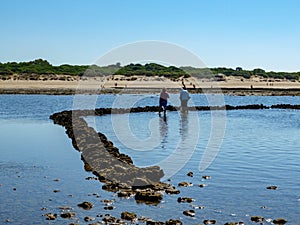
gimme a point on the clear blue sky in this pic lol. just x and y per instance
(247, 33)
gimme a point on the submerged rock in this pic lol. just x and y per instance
(65, 207)
(173, 222)
(91, 178)
(272, 187)
(50, 216)
(184, 184)
(190, 213)
(88, 219)
(160, 186)
(235, 223)
(68, 215)
(257, 219)
(125, 194)
(108, 201)
(86, 205)
(190, 174)
(140, 183)
(143, 219)
(206, 177)
(108, 207)
(108, 219)
(280, 221)
(152, 222)
(128, 216)
(209, 221)
(113, 187)
(185, 200)
(172, 191)
(148, 196)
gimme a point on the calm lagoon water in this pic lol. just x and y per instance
(259, 148)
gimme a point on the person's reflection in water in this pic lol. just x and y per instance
(183, 130)
(163, 125)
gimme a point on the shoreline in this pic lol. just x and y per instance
(225, 91)
(145, 85)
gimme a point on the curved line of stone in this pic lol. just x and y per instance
(102, 158)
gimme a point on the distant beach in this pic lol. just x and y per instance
(69, 85)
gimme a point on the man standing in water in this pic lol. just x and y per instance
(163, 100)
(184, 98)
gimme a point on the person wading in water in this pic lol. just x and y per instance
(184, 98)
(163, 101)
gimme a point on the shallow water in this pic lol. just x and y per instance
(260, 148)
(42, 106)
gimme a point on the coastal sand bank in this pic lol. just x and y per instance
(117, 84)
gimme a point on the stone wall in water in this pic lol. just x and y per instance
(116, 169)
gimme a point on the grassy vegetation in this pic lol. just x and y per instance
(209, 73)
(198, 72)
(43, 67)
(151, 69)
(39, 66)
(256, 72)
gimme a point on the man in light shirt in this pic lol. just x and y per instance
(184, 98)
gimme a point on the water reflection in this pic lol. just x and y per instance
(179, 136)
(183, 130)
(163, 128)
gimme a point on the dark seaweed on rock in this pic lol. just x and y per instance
(100, 155)
(285, 106)
(102, 158)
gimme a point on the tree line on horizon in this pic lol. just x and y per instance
(43, 67)
(152, 69)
